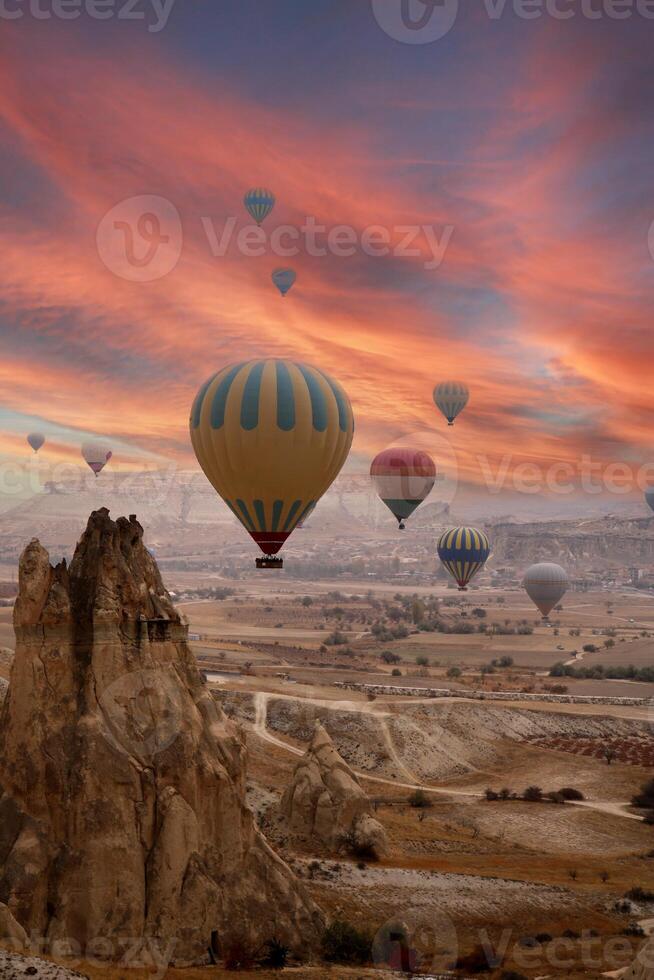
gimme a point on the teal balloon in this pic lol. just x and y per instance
(284, 279)
(259, 202)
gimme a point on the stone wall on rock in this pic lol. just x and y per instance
(123, 783)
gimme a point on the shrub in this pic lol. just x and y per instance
(422, 661)
(454, 672)
(570, 793)
(490, 794)
(342, 943)
(275, 955)
(390, 658)
(638, 894)
(646, 796)
(419, 799)
(396, 672)
(555, 797)
(533, 794)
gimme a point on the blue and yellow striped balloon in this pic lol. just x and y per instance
(259, 202)
(451, 397)
(463, 551)
(271, 436)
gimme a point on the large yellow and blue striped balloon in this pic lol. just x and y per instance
(271, 436)
(463, 551)
(259, 202)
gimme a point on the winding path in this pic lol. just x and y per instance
(260, 728)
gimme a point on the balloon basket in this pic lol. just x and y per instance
(463, 588)
(270, 562)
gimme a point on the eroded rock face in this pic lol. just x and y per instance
(123, 782)
(643, 966)
(325, 799)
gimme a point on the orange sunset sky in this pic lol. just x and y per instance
(530, 140)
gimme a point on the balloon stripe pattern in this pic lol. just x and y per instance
(259, 202)
(271, 436)
(403, 478)
(463, 551)
(451, 397)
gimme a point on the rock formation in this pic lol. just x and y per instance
(325, 800)
(643, 966)
(123, 783)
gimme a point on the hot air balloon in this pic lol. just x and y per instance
(403, 478)
(305, 517)
(451, 397)
(463, 551)
(96, 455)
(545, 584)
(36, 440)
(649, 497)
(284, 279)
(259, 202)
(271, 436)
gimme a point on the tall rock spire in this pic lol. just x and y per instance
(123, 783)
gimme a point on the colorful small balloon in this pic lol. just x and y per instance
(284, 279)
(545, 584)
(403, 478)
(451, 397)
(463, 551)
(96, 456)
(259, 202)
(36, 440)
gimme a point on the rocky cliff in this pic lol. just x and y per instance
(123, 810)
(325, 800)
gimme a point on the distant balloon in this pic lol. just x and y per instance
(36, 440)
(271, 436)
(649, 497)
(463, 551)
(451, 397)
(96, 456)
(284, 279)
(403, 478)
(259, 202)
(545, 584)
